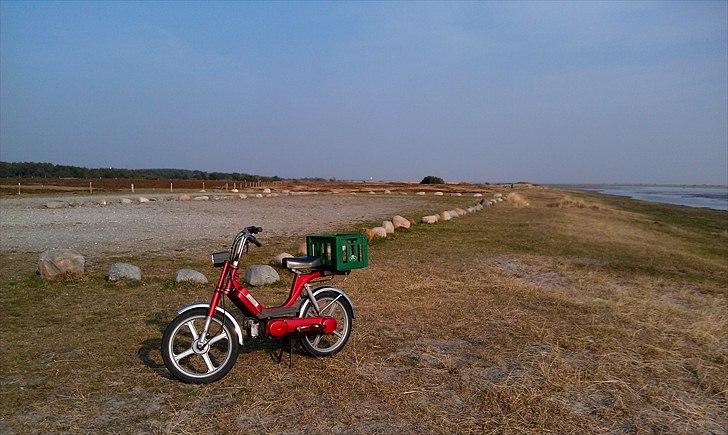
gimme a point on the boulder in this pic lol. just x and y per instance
(189, 275)
(266, 190)
(429, 219)
(478, 195)
(124, 271)
(278, 259)
(143, 199)
(438, 194)
(125, 201)
(302, 249)
(55, 262)
(498, 195)
(56, 204)
(379, 232)
(460, 212)
(470, 209)
(453, 213)
(389, 226)
(499, 199)
(420, 193)
(243, 196)
(201, 198)
(400, 222)
(445, 215)
(261, 274)
(184, 197)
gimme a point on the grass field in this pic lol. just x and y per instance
(607, 317)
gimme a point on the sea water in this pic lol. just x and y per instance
(715, 197)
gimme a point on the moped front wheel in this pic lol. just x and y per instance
(189, 360)
(331, 304)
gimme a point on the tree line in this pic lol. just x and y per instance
(49, 170)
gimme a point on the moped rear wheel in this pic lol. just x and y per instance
(191, 362)
(331, 304)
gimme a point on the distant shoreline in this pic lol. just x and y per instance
(700, 196)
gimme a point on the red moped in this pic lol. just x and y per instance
(202, 342)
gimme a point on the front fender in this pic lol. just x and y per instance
(229, 316)
(318, 290)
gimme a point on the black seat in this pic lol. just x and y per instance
(301, 262)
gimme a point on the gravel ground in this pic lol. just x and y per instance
(26, 226)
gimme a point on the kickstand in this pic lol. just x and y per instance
(279, 354)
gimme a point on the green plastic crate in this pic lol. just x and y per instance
(339, 252)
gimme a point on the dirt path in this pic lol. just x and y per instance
(25, 226)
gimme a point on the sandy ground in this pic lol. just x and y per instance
(26, 226)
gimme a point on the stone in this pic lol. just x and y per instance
(470, 209)
(500, 199)
(189, 275)
(273, 195)
(143, 199)
(125, 201)
(184, 197)
(498, 195)
(456, 194)
(460, 212)
(201, 198)
(243, 196)
(219, 198)
(56, 204)
(102, 202)
(278, 259)
(429, 219)
(235, 191)
(56, 262)
(302, 249)
(478, 195)
(266, 190)
(379, 232)
(389, 226)
(400, 222)
(420, 193)
(261, 274)
(258, 195)
(124, 271)
(453, 213)
(371, 192)
(445, 215)
(387, 192)
(438, 194)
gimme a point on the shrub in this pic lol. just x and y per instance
(431, 179)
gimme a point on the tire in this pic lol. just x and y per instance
(202, 366)
(341, 309)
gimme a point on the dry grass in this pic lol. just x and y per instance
(517, 199)
(509, 320)
(568, 201)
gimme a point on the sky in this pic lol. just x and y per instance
(571, 92)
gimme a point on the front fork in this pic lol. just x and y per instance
(213, 303)
(210, 313)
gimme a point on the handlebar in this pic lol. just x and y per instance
(254, 230)
(254, 241)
